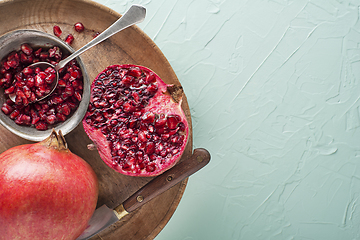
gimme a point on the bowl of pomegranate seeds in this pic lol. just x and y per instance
(63, 109)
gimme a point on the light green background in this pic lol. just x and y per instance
(273, 88)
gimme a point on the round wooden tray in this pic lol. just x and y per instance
(129, 46)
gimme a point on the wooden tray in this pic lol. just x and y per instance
(129, 46)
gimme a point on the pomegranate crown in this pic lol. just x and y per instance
(56, 141)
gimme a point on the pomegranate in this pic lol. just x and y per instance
(96, 34)
(69, 39)
(57, 31)
(46, 191)
(79, 27)
(135, 120)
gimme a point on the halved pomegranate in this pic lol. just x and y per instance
(136, 120)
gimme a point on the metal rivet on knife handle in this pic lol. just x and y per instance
(139, 198)
(169, 178)
(199, 159)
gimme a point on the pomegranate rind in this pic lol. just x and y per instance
(46, 192)
(161, 103)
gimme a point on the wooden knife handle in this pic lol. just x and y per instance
(168, 179)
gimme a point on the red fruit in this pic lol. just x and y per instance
(25, 48)
(69, 39)
(96, 34)
(79, 27)
(6, 108)
(46, 191)
(136, 121)
(57, 31)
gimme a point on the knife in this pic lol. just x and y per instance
(104, 216)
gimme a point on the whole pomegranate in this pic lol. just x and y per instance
(46, 191)
(136, 121)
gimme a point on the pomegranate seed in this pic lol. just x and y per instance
(72, 105)
(4, 82)
(142, 137)
(37, 70)
(69, 90)
(61, 117)
(172, 121)
(42, 115)
(79, 27)
(19, 77)
(27, 91)
(8, 76)
(28, 71)
(62, 83)
(165, 136)
(150, 148)
(96, 34)
(148, 117)
(127, 80)
(49, 79)
(152, 89)
(57, 31)
(78, 96)
(64, 109)
(32, 98)
(69, 39)
(34, 118)
(150, 78)
(160, 122)
(30, 82)
(14, 114)
(6, 66)
(26, 59)
(55, 52)
(128, 107)
(181, 127)
(44, 55)
(75, 74)
(41, 126)
(25, 48)
(150, 168)
(39, 80)
(51, 119)
(37, 52)
(56, 100)
(67, 76)
(77, 84)
(13, 63)
(20, 94)
(9, 102)
(9, 90)
(24, 119)
(50, 70)
(6, 108)
(135, 72)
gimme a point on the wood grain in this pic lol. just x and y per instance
(129, 46)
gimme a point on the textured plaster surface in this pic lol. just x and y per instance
(274, 93)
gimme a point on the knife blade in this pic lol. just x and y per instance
(104, 216)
